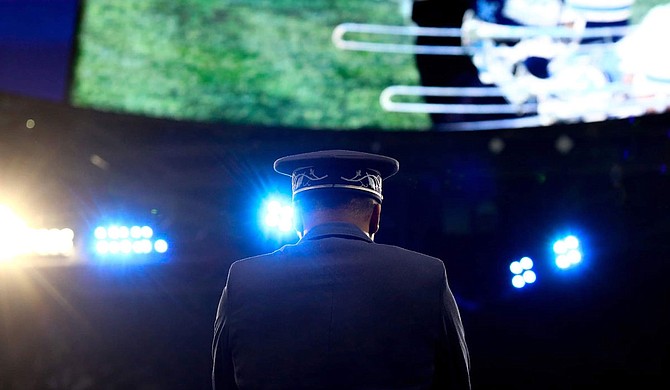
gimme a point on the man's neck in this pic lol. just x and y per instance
(319, 218)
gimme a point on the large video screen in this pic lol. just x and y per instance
(374, 64)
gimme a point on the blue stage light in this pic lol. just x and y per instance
(102, 247)
(277, 216)
(142, 246)
(160, 246)
(135, 232)
(146, 232)
(127, 241)
(100, 233)
(522, 271)
(568, 252)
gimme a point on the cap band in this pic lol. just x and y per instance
(311, 178)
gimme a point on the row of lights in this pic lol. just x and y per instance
(135, 239)
(568, 254)
(18, 240)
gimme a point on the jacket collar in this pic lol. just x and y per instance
(340, 229)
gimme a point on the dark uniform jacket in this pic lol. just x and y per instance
(338, 311)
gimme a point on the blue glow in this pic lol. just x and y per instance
(568, 252)
(523, 273)
(277, 216)
(127, 241)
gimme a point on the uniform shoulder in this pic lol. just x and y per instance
(414, 256)
(260, 260)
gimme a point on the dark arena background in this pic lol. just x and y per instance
(98, 131)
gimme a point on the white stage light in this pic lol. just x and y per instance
(529, 276)
(278, 217)
(135, 232)
(568, 252)
(161, 246)
(18, 239)
(523, 273)
(102, 247)
(100, 233)
(147, 232)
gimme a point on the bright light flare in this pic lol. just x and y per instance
(12, 234)
(18, 239)
(278, 216)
